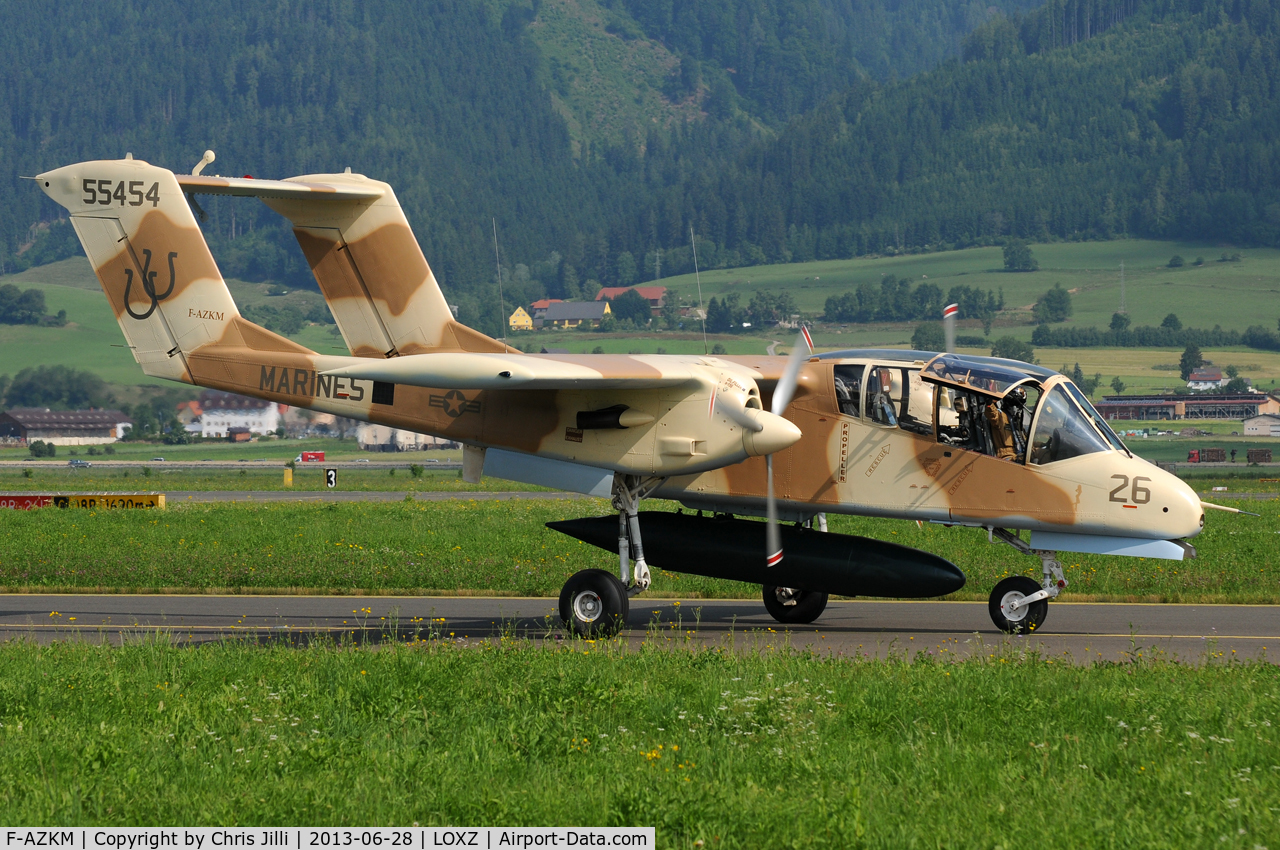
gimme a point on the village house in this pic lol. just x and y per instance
(520, 320)
(1207, 378)
(222, 412)
(652, 294)
(539, 308)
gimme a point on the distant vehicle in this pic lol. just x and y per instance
(76, 463)
(309, 457)
(432, 460)
(362, 460)
(157, 458)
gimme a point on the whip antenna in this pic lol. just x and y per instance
(502, 307)
(696, 276)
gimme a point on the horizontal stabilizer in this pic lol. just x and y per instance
(481, 371)
(248, 187)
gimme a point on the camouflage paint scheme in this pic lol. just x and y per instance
(700, 422)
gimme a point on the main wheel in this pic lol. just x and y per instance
(1023, 620)
(593, 603)
(788, 605)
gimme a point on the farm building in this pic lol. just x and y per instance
(571, 314)
(1215, 406)
(539, 308)
(1266, 425)
(63, 427)
(652, 294)
(222, 412)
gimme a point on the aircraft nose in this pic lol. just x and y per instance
(1181, 513)
(775, 434)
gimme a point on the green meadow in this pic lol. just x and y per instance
(1234, 295)
(471, 546)
(713, 748)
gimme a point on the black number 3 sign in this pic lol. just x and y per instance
(331, 478)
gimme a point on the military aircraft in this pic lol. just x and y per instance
(927, 436)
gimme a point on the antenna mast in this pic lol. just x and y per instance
(698, 277)
(502, 306)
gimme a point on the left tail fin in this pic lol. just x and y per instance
(152, 261)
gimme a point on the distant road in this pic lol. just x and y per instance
(1075, 632)
(174, 497)
(273, 463)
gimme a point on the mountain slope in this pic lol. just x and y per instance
(1162, 125)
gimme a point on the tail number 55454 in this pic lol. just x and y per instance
(107, 192)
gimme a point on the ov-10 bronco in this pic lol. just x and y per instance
(935, 437)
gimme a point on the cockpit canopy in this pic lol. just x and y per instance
(1016, 412)
(977, 374)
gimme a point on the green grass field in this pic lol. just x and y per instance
(264, 449)
(1234, 295)
(464, 547)
(718, 749)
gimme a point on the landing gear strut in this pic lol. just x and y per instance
(1017, 604)
(594, 603)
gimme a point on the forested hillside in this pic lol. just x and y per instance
(784, 130)
(1082, 120)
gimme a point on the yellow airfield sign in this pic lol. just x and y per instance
(93, 501)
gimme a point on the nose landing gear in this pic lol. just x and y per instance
(1017, 604)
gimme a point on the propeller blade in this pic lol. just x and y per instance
(949, 314)
(787, 383)
(773, 539)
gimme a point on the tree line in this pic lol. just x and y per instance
(1081, 119)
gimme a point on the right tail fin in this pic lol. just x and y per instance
(371, 270)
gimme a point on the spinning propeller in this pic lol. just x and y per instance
(781, 398)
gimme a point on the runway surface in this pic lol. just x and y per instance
(1080, 632)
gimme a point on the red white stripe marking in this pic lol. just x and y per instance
(808, 340)
(950, 310)
(774, 559)
(711, 408)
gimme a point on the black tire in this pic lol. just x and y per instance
(1032, 616)
(593, 603)
(806, 605)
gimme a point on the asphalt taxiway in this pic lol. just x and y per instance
(1078, 632)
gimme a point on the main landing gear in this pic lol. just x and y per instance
(789, 605)
(594, 603)
(1017, 604)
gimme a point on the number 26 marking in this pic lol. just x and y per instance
(1139, 495)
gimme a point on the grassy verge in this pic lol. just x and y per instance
(755, 749)
(307, 478)
(502, 547)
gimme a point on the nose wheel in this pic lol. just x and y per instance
(1010, 609)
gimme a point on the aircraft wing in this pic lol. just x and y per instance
(483, 371)
(295, 189)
